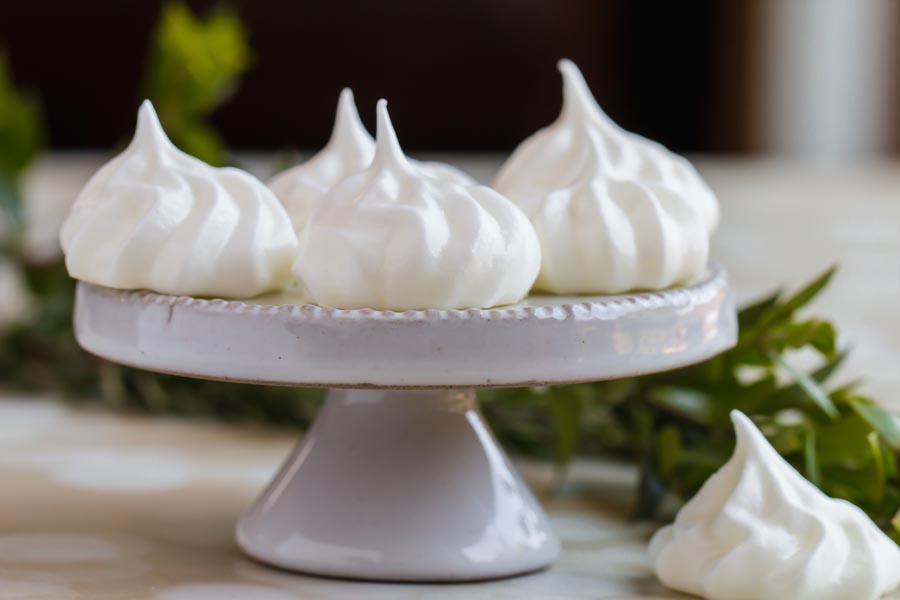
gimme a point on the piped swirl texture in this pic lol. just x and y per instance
(156, 218)
(757, 530)
(349, 150)
(614, 212)
(395, 237)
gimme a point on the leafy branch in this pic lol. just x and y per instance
(194, 66)
(21, 135)
(675, 425)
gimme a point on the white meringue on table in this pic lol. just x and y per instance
(757, 530)
(395, 237)
(156, 218)
(349, 151)
(605, 235)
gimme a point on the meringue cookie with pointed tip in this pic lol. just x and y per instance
(605, 235)
(156, 218)
(349, 151)
(553, 157)
(757, 530)
(394, 237)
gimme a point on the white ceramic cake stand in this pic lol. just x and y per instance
(399, 478)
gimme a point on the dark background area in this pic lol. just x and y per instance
(459, 75)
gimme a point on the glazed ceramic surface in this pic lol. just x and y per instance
(399, 485)
(405, 485)
(542, 340)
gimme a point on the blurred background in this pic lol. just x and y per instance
(807, 77)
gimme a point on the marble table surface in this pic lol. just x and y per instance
(106, 506)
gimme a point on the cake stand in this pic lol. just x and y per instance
(399, 478)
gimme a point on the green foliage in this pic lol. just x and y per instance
(676, 427)
(194, 66)
(21, 135)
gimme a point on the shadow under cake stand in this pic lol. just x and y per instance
(399, 478)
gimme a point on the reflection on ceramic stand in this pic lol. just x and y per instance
(403, 480)
(438, 501)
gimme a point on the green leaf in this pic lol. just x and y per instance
(565, 411)
(804, 296)
(787, 440)
(843, 441)
(21, 136)
(782, 311)
(194, 67)
(884, 422)
(10, 202)
(814, 332)
(668, 450)
(686, 402)
(795, 395)
(875, 445)
(810, 458)
(749, 315)
(21, 130)
(809, 385)
(203, 142)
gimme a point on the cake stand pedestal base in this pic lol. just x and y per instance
(399, 486)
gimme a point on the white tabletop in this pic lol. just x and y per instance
(98, 505)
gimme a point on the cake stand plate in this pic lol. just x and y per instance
(399, 478)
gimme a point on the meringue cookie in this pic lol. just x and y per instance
(156, 218)
(757, 530)
(603, 235)
(349, 151)
(552, 158)
(395, 237)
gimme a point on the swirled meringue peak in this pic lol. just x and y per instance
(604, 235)
(395, 237)
(156, 218)
(556, 159)
(757, 530)
(349, 151)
